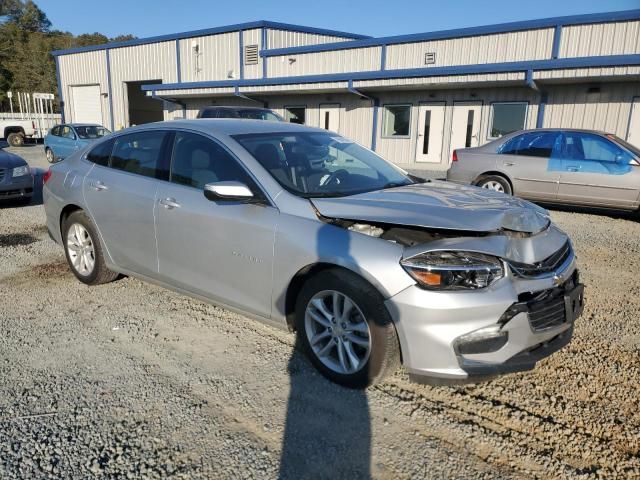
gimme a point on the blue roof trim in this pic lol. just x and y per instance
(525, 66)
(461, 32)
(211, 31)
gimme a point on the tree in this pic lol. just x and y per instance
(29, 17)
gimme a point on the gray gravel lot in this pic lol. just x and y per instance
(129, 380)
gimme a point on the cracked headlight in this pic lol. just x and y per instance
(449, 270)
(20, 171)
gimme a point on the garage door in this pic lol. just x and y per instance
(87, 107)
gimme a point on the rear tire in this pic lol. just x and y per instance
(353, 345)
(51, 158)
(83, 250)
(15, 139)
(496, 183)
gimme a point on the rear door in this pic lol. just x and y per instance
(527, 159)
(222, 249)
(121, 196)
(597, 172)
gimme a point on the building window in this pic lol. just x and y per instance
(507, 117)
(397, 119)
(295, 114)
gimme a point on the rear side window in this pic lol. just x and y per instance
(534, 144)
(198, 160)
(141, 153)
(101, 153)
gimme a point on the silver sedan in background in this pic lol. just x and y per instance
(309, 231)
(573, 167)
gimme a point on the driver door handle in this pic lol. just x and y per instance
(573, 169)
(169, 203)
(98, 186)
(509, 164)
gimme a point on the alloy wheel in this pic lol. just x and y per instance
(81, 249)
(493, 185)
(338, 332)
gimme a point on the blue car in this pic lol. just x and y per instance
(63, 140)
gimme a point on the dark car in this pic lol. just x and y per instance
(16, 179)
(253, 113)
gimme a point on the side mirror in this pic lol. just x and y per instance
(227, 191)
(4, 144)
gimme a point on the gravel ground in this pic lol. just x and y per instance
(129, 380)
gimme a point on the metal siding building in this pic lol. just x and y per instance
(413, 98)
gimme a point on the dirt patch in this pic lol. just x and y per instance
(17, 239)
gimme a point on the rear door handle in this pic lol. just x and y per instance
(169, 203)
(509, 164)
(573, 169)
(98, 186)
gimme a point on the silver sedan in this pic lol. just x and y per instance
(308, 231)
(573, 167)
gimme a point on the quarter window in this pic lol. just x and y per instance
(534, 144)
(198, 161)
(397, 119)
(101, 153)
(507, 117)
(295, 114)
(140, 153)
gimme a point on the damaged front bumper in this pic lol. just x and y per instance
(466, 336)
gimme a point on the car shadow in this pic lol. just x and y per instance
(36, 198)
(602, 212)
(327, 430)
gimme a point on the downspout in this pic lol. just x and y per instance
(376, 104)
(236, 93)
(530, 82)
(171, 100)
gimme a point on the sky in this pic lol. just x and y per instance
(144, 18)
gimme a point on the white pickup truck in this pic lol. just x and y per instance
(15, 131)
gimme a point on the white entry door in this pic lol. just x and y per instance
(86, 104)
(430, 132)
(330, 116)
(465, 125)
(633, 135)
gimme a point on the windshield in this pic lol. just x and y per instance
(311, 164)
(632, 148)
(91, 131)
(260, 115)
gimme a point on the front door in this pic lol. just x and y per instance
(430, 132)
(595, 171)
(465, 125)
(223, 249)
(330, 116)
(121, 198)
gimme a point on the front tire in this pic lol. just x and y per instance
(346, 330)
(496, 183)
(51, 158)
(83, 250)
(15, 139)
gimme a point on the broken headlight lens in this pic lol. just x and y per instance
(448, 270)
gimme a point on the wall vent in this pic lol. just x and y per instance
(429, 58)
(251, 55)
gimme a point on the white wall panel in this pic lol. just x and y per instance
(284, 39)
(338, 61)
(494, 48)
(615, 38)
(217, 55)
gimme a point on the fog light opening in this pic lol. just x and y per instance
(486, 340)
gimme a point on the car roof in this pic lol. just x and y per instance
(228, 126)
(577, 130)
(80, 125)
(224, 107)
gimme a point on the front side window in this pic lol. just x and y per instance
(587, 146)
(101, 153)
(397, 119)
(507, 117)
(197, 161)
(533, 144)
(295, 115)
(140, 153)
(56, 131)
(321, 164)
(91, 132)
(257, 114)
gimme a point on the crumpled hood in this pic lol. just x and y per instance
(9, 160)
(439, 205)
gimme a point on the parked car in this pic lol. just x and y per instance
(63, 140)
(253, 113)
(16, 178)
(575, 167)
(16, 131)
(372, 267)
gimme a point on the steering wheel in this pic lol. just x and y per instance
(335, 178)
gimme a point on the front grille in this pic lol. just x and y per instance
(544, 267)
(2, 173)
